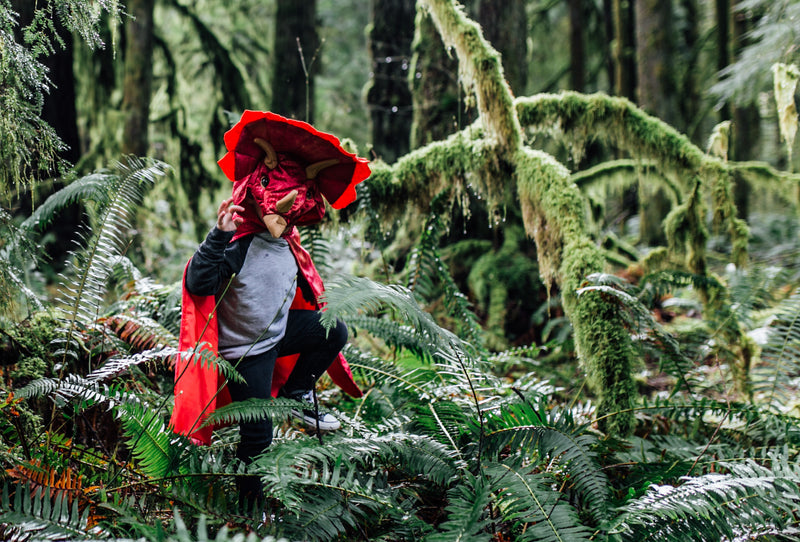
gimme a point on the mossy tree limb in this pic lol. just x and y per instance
(552, 207)
(619, 122)
(481, 71)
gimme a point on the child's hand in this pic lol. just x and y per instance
(225, 218)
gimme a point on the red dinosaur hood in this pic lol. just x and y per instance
(287, 167)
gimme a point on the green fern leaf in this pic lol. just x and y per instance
(554, 438)
(116, 198)
(40, 516)
(467, 517)
(529, 500)
(151, 442)
(353, 295)
(780, 355)
(747, 499)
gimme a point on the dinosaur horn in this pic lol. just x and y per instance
(284, 204)
(271, 158)
(313, 169)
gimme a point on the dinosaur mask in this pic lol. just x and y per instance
(283, 168)
(280, 196)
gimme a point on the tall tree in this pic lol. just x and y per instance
(436, 95)
(621, 15)
(505, 26)
(746, 131)
(577, 46)
(389, 94)
(138, 76)
(296, 46)
(656, 94)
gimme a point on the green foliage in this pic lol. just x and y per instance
(26, 514)
(445, 444)
(29, 147)
(770, 42)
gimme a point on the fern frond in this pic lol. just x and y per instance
(368, 366)
(250, 410)
(38, 516)
(207, 358)
(780, 355)
(540, 512)
(323, 495)
(140, 332)
(116, 198)
(84, 392)
(648, 332)
(426, 268)
(151, 442)
(51, 481)
(394, 335)
(119, 365)
(551, 437)
(318, 247)
(353, 295)
(751, 424)
(467, 516)
(747, 498)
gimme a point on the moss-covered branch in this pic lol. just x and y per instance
(446, 169)
(480, 69)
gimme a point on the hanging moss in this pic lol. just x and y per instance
(448, 169)
(481, 70)
(617, 120)
(553, 215)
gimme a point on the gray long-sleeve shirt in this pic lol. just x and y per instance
(254, 279)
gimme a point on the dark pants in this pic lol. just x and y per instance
(317, 348)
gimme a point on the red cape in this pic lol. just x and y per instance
(200, 389)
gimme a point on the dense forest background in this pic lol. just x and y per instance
(570, 282)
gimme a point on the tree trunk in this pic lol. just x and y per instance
(577, 48)
(724, 40)
(58, 108)
(389, 94)
(746, 123)
(657, 95)
(296, 53)
(624, 52)
(437, 96)
(505, 26)
(138, 76)
(59, 111)
(435, 93)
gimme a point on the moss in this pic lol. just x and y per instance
(553, 215)
(446, 169)
(480, 69)
(613, 119)
(28, 348)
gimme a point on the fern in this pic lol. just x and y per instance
(323, 495)
(780, 355)
(746, 499)
(250, 410)
(116, 198)
(352, 295)
(84, 392)
(151, 442)
(531, 501)
(394, 335)
(648, 332)
(27, 514)
(550, 438)
(467, 518)
(426, 268)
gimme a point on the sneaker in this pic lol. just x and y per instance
(311, 415)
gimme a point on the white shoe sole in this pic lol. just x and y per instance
(332, 425)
